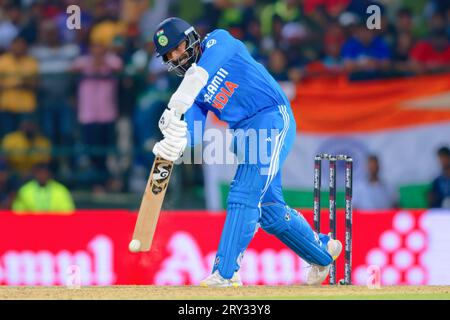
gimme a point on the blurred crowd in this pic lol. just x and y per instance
(372, 192)
(83, 104)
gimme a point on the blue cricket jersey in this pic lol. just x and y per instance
(238, 87)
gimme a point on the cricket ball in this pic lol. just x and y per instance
(134, 245)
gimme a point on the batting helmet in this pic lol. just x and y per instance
(169, 34)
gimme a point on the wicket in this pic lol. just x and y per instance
(332, 159)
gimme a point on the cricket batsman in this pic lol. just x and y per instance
(220, 76)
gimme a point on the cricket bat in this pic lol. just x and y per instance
(151, 204)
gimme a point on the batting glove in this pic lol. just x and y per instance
(170, 149)
(171, 126)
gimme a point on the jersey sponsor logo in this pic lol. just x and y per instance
(210, 43)
(219, 91)
(221, 99)
(216, 82)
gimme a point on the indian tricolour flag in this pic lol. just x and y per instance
(402, 121)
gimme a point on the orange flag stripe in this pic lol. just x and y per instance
(340, 107)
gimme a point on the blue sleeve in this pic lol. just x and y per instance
(219, 47)
(195, 118)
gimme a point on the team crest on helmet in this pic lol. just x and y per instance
(163, 41)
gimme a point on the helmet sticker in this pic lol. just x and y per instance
(162, 40)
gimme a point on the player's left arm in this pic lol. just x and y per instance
(220, 47)
(171, 124)
(194, 80)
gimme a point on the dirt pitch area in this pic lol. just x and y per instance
(251, 292)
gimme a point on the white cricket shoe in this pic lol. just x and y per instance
(317, 274)
(216, 280)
